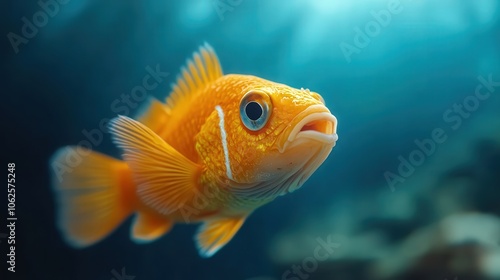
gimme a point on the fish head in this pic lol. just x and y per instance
(276, 136)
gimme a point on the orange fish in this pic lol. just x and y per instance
(219, 147)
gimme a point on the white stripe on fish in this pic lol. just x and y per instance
(223, 137)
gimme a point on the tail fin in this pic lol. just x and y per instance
(95, 194)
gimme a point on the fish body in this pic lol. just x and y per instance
(218, 148)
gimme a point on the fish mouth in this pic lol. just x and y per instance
(315, 123)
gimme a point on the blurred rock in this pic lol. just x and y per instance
(463, 244)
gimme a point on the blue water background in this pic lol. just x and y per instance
(385, 95)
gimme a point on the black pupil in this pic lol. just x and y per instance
(253, 110)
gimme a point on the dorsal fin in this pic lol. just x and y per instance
(202, 69)
(154, 114)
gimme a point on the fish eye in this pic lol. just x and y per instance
(255, 110)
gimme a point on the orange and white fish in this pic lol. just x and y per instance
(219, 147)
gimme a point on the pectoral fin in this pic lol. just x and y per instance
(166, 179)
(214, 234)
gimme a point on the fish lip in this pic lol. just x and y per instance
(314, 123)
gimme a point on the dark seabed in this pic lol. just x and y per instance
(411, 191)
